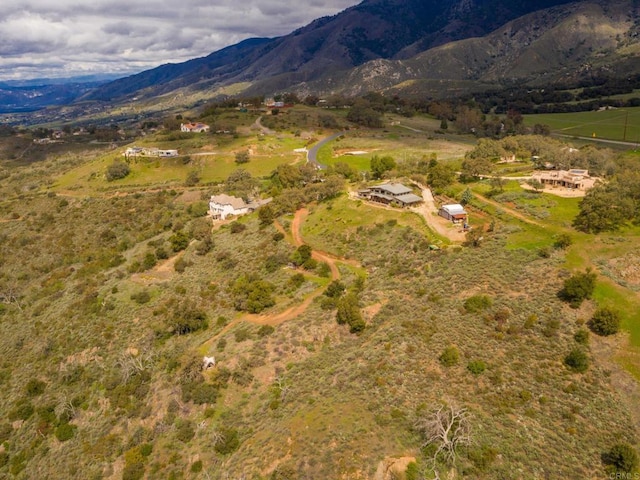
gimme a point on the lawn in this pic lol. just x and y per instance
(212, 162)
(616, 124)
(331, 225)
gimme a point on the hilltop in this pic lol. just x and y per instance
(339, 328)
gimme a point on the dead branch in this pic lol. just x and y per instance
(447, 428)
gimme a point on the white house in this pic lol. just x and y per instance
(167, 153)
(194, 127)
(221, 206)
(454, 212)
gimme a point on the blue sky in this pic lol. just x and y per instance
(61, 38)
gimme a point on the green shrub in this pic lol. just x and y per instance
(622, 458)
(476, 367)
(187, 318)
(196, 466)
(349, 313)
(185, 431)
(582, 336)
(229, 441)
(65, 431)
(133, 471)
(563, 240)
(265, 330)
(180, 265)
(577, 360)
(237, 227)
(477, 303)
(35, 387)
(242, 335)
(578, 288)
(449, 356)
(179, 241)
(21, 411)
(141, 297)
(149, 261)
(117, 170)
(335, 289)
(605, 321)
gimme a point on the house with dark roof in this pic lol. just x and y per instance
(391, 193)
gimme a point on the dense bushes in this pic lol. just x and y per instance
(117, 170)
(252, 294)
(577, 360)
(622, 458)
(449, 357)
(477, 303)
(578, 288)
(187, 318)
(605, 321)
(349, 313)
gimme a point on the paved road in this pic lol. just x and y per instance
(312, 154)
(599, 140)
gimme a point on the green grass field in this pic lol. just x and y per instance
(621, 124)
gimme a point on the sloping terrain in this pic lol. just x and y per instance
(561, 44)
(371, 30)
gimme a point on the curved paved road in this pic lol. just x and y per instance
(312, 154)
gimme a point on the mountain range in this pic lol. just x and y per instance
(410, 47)
(415, 46)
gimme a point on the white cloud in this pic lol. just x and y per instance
(44, 38)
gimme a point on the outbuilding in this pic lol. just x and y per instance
(454, 212)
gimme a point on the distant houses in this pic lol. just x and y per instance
(576, 179)
(221, 206)
(149, 152)
(391, 193)
(454, 212)
(194, 127)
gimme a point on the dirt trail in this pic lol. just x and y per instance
(296, 310)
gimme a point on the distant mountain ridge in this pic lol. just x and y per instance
(372, 30)
(563, 44)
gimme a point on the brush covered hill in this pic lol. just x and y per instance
(110, 303)
(374, 29)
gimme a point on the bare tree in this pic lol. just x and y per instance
(447, 428)
(134, 364)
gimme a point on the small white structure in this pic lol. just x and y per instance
(167, 153)
(194, 127)
(454, 212)
(221, 206)
(208, 362)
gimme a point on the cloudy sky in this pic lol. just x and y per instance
(61, 38)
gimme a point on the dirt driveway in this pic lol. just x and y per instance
(429, 211)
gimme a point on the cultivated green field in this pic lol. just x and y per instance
(621, 124)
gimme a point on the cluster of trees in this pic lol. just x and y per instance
(611, 205)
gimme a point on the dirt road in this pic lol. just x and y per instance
(429, 210)
(296, 310)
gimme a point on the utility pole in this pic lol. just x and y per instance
(626, 121)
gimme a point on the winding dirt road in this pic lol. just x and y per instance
(296, 310)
